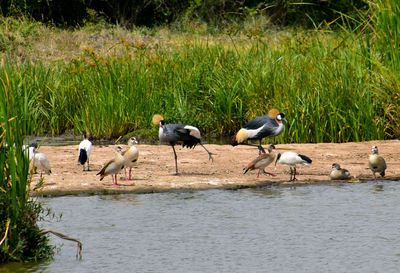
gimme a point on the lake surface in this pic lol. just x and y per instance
(313, 228)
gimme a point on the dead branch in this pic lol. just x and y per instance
(65, 237)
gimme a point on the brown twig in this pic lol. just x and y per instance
(65, 237)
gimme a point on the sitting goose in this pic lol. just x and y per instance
(338, 173)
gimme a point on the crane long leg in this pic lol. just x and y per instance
(294, 176)
(291, 173)
(209, 154)
(260, 148)
(176, 162)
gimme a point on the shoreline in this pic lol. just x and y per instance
(155, 168)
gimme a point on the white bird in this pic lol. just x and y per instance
(292, 159)
(85, 149)
(376, 163)
(131, 155)
(338, 173)
(259, 128)
(39, 160)
(113, 167)
(186, 135)
(262, 161)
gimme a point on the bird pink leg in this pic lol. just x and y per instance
(115, 182)
(125, 173)
(130, 170)
(258, 174)
(376, 181)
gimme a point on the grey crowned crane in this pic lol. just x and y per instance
(338, 173)
(262, 161)
(292, 159)
(264, 126)
(376, 163)
(131, 155)
(113, 167)
(172, 134)
(85, 149)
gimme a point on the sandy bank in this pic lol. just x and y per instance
(155, 168)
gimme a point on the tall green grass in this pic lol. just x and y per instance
(21, 239)
(323, 81)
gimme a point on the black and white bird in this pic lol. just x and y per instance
(338, 173)
(85, 149)
(292, 159)
(172, 134)
(264, 126)
(376, 163)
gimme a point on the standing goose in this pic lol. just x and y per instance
(338, 173)
(261, 127)
(113, 167)
(131, 155)
(376, 163)
(40, 160)
(186, 135)
(262, 161)
(292, 159)
(85, 149)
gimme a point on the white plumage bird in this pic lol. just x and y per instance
(39, 159)
(85, 149)
(172, 134)
(292, 159)
(131, 155)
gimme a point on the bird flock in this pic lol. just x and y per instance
(188, 136)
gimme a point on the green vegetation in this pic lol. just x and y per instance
(216, 66)
(333, 86)
(21, 238)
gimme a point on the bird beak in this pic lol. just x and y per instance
(284, 120)
(277, 158)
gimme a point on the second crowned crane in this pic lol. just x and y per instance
(172, 134)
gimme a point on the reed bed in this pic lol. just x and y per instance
(21, 238)
(328, 88)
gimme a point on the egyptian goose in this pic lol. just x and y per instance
(376, 163)
(113, 167)
(131, 155)
(338, 173)
(262, 161)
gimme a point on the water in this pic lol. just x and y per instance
(315, 228)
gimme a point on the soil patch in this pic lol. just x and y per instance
(155, 169)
